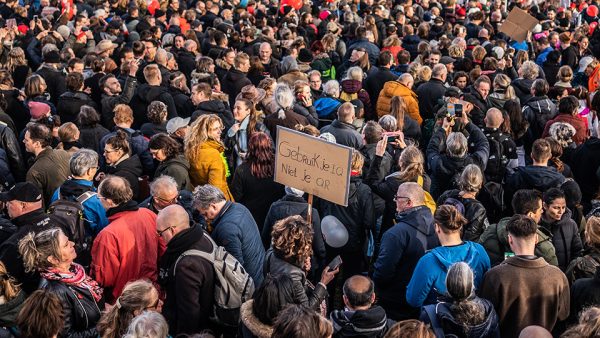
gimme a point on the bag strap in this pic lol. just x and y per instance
(193, 252)
(431, 311)
(85, 196)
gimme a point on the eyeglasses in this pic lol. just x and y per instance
(169, 201)
(396, 198)
(161, 232)
(155, 305)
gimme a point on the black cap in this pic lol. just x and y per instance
(305, 55)
(24, 192)
(453, 92)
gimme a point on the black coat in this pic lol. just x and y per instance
(186, 61)
(69, 104)
(538, 110)
(216, 107)
(55, 80)
(144, 95)
(310, 113)
(183, 103)
(584, 164)
(232, 84)
(371, 323)
(345, 134)
(82, 312)
(374, 83)
(130, 169)
(489, 328)
(110, 102)
(189, 287)
(10, 144)
(532, 177)
(569, 57)
(585, 292)
(523, 89)
(90, 137)
(257, 194)
(480, 107)
(177, 167)
(474, 212)
(429, 94)
(565, 237)
(16, 109)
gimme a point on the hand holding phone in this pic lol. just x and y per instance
(335, 263)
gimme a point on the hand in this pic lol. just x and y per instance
(328, 275)
(307, 101)
(509, 62)
(133, 67)
(381, 146)
(88, 90)
(100, 176)
(235, 127)
(502, 64)
(447, 124)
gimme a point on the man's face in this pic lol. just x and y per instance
(30, 145)
(403, 202)
(434, 59)
(196, 96)
(128, 57)
(175, 4)
(537, 214)
(113, 86)
(210, 213)
(164, 198)
(315, 82)
(14, 208)
(484, 89)
(265, 53)
(150, 50)
(229, 58)
(77, 68)
(244, 66)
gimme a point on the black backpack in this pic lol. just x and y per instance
(72, 214)
(491, 197)
(497, 161)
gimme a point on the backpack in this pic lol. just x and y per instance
(233, 284)
(491, 197)
(497, 161)
(72, 213)
(429, 202)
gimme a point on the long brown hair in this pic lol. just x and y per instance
(253, 115)
(398, 109)
(260, 155)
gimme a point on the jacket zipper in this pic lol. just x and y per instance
(82, 307)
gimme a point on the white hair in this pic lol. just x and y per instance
(284, 98)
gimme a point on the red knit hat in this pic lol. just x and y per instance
(461, 12)
(37, 110)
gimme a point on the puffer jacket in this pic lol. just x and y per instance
(474, 212)
(489, 328)
(146, 94)
(350, 88)
(495, 241)
(301, 286)
(345, 134)
(395, 88)
(538, 111)
(444, 168)
(523, 88)
(326, 107)
(177, 167)
(370, 323)
(81, 309)
(209, 167)
(565, 237)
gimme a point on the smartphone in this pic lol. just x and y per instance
(458, 109)
(35, 18)
(335, 263)
(300, 97)
(391, 136)
(451, 107)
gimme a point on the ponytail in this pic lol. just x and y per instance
(8, 286)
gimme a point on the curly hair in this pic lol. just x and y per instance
(169, 146)
(291, 239)
(199, 133)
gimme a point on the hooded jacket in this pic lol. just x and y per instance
(233, 82)
(564, 234)
(429, 278)
(109, 103)
(371, 323)
(401, 248)
(326, 107)
(538, 111)
(581, 129)
(495, 241)
(130, 169)
(345, 134)
(489, 328)
(144, 95)
(432, 90)
(522, 88)
(540, 178)
(216, 107)
(395, 88)
(49, 170)
(475, 213)
(177, 167)
(375, 82)
(252, 327)
(69, 104)
(139, 147)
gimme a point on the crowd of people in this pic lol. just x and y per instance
(137, 164)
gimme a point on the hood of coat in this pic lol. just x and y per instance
(369, 323)
(252, 323)
(523, 84)
(177, 160)
(483, 329)
(539, 176)
(540, 104)
(214, 106)
(148, 93)
(419, 218)
(351, 86)
(76, 96)
(132, 165)
(210, 144)
(448, 255)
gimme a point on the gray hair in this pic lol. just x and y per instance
(331, 88)
(205, 195)
(413, 191)
(284, 97)
(471, 179)
(162, 183)
(456, 144)
(288, 64)
(50, 47)
(459, 281)
(82, 160)
(439, 70)
(388, 122)
(149, 324)
(529, 70)
(355, 73)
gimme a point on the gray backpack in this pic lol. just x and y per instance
(233, 285)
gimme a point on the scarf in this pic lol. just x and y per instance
(76, 277)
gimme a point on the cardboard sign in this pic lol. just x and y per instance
(517, 24)
(313, 165)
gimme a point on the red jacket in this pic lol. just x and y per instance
(126, 250)
(581, 130)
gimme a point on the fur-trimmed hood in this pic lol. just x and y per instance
(255, 326)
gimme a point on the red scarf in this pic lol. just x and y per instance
(76, 277)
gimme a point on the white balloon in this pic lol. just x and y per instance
(334, 232)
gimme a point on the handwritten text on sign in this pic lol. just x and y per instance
(313, 165)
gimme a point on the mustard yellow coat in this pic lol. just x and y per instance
(209, 168)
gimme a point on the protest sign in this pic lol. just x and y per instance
(517, 24)
(313, 165)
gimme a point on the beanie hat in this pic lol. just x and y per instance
(37, 110)
(305, 56)
(52, 57)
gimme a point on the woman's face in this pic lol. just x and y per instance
(158, 154)
(584, 43)
(229, 58)
(556, 209)
(214, 130)
(240, 111)
(66, 250)
(111, 154)
(154, 303)
(461, 82)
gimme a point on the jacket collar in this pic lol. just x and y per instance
(116, 212)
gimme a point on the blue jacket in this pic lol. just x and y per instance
(235, 229)
(429, 278)
(93, 211)
(543, 56)
(401, 248)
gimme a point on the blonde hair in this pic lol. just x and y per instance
(36, 248)
(423, 74)
(199, 133)
(358, 160)
(391, 41)
(67, 132)
(592, 232)
(16, 57)
(411, 163)
(502, 82)
(355, 73)
(479, 53)
(455, 51)
(9, 288)
(565, 74)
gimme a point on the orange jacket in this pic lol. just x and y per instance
(594, 80)
(209, 167)
(395, 88)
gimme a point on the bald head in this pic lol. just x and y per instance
(358, 292)
(535, 331)
(493, 118)
(173, 216)
(407, 80)
(412, 191)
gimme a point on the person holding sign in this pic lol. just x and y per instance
(204, 150)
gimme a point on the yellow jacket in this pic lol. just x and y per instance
(209, 167)
(395, 88)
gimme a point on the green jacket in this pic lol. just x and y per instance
(495, 241)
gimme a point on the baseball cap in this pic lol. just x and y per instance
(176, 123)
(584, 63)
(447, 60)
(23, 191)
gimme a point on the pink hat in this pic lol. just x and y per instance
(37, 110)
(324, 15)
